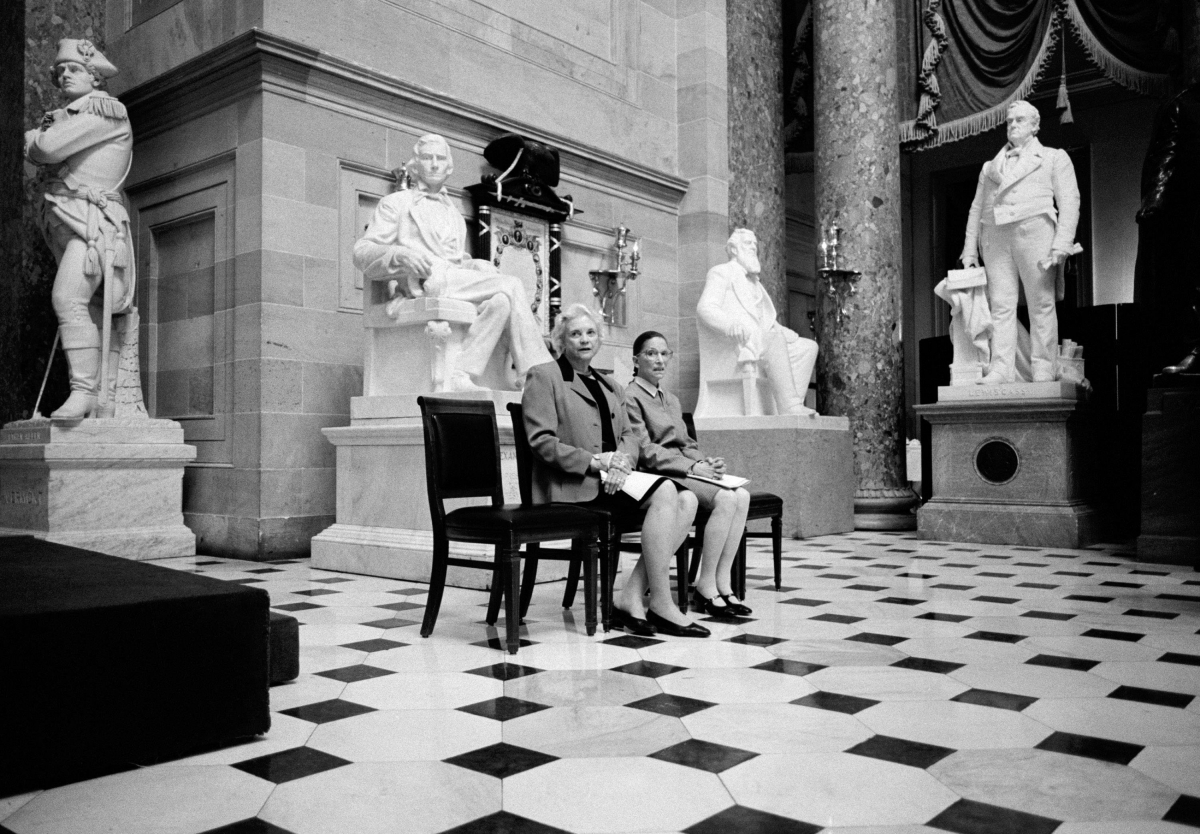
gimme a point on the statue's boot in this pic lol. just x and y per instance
(81, 344)
(1189, 364)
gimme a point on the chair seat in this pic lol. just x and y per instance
(482, 523)
(764, 504)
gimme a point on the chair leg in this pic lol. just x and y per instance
(739, 569)
(607, 572)
(590, 552)
(572, 584)
(777, 548)
(697, 549)
(437, 584)
(497, 595)
(511, 560)
(681, 576)
(529, 576)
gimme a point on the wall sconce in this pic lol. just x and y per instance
(608, 285)
(840, 282)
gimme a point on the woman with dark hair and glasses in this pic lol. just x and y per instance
(577, 425)
(668, 449)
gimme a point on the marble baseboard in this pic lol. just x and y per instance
(408, 555)
(1169, 550)
(807, 461)
(1033, 525)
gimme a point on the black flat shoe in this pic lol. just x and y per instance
(631, 624)
(708, 606)
(736, 608)
(669, 628)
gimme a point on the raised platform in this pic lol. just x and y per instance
(807, 461)
(383, 526)
(110, 663)
(111, 485)
(1011, 471)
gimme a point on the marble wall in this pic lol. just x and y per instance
(265, 132)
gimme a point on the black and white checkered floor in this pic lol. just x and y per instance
(893, 686)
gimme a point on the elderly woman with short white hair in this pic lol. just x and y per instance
(578, 428)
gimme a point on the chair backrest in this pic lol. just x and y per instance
(690, 422)
(462, 452)
(524, 452)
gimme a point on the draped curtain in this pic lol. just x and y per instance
(976, 57)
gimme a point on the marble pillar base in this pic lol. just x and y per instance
(807, 461)
(887, 508)
(1170, 530)
(383, 526)
(113, 485)
(1011, 471)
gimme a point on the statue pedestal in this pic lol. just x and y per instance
(1010, 466)
(806, 461)
(383, 526)
(1171, 476)
(113, 485)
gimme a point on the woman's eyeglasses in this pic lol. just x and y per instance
(655, 354)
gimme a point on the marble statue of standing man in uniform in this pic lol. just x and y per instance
(85, 149)
(1023, 218)
(417, 236)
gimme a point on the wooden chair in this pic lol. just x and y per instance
(617, 525)
(462, 460)
(762, 505)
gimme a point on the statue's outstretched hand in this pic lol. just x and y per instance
(970, 261)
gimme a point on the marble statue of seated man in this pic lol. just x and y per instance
(740, 336)
(417, 238)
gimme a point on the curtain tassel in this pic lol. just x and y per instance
(1064, 101)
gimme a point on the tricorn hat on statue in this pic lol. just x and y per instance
(84, 52)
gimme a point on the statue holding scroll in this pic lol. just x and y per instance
(1023, 220)
(416, 242)
(84, 151)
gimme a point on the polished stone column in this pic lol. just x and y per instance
(756, 159)
(860, 367)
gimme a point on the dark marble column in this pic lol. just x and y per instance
(860, 368)
(754, 33)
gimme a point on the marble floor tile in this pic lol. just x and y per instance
(405, 735)
(1176, 767)
(286, 733)
(695, 653)
(1054, 785)
(837, 652)
(336, 634)
(1173, 677)
(423, 656)
(314, 658)
(1092, 648)
(1034, 681)
(590, 687)
(740, 686)
(885, 683)
(1127, 721)
(582, 655)
(338, 616)
(611, 795)
(968, 651)
(837, 789)
(777, 728)
(956, 725)
(371, 797)
(438, 690)
(1124, 827)
(593, 732)
(10, 804)
(153, 800)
